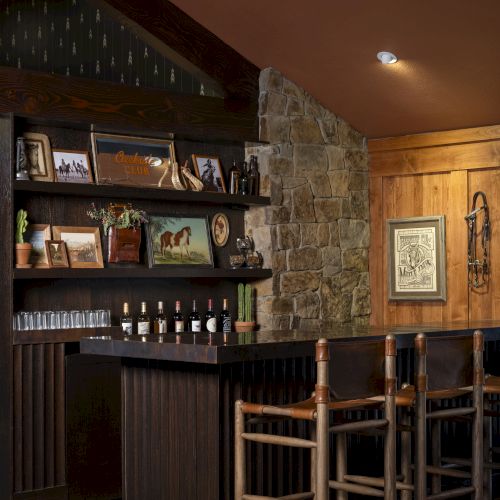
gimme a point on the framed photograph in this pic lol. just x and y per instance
(38, 157)
(209, 171)
(56, 253)
(83, 245)
(72, 166)
(417, 258)
(220, 229)
(132, 161)
(179, 241)
(37, 234)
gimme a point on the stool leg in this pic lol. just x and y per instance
(436, 454)
(421, 448)
(341, 452)
(406, 454)
(314, 455)
(487, 452)
(322, 443)
(477, 447)
(239, 456)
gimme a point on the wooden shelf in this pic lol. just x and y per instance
(112, 191)
(57, 336)
(141, 272)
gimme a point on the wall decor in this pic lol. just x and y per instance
(83, 245)
(38, 157)
(417, 258)
(220, 229)
(178, 240)
(56, 253)
(132, 161)
(37, 234)
(72, 166)
(209, 171)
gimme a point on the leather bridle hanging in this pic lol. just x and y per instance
(478, 271)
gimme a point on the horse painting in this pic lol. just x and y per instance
(169, 240)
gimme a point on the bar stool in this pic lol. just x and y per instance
(359, 370)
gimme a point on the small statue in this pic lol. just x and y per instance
(21, 163)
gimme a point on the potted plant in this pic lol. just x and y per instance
(122, 226)
(23, 250)
(245, 322)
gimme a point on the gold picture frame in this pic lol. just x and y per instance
(72, 166)
(37, 234)
(83, 245)
(38, 157)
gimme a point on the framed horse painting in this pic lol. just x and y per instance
(72, 166)
(176, 240)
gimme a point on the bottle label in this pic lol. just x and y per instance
(179, 326)
(196, 326)
(161, 325)
(226, 324)
(127, 328)
(143, 328)
(212, 325)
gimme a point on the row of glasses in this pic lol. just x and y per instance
(55, 320)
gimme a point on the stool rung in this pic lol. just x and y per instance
(356, 488)
(257, 497)
(376, 481)
(279, 440)
(444, 471)
(451, 412)
(457, 492)
(359, 426)
(468, 462)
(307, 495)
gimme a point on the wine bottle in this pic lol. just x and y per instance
(126, 320)
(243, 185)
(225, 317)
(160, 322)
(194, 320)
(178, 318)
(253, 177)
(143, 322)
(210, 319)
(234, 178)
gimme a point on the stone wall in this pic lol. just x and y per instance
(315, 235)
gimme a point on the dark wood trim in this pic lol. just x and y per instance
(56, 493)
(58, 336)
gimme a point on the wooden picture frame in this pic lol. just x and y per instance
(56, 253)
(178, 240)
(208, 169)
(38, 157)
(416, 258)
(37, 234)
(83, 245)
(220, 229)
(72, 166)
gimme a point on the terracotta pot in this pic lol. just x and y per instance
(123, 245)
(244, 326)
(23, 252)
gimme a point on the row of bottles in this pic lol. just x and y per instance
(193, 324)
(245, 180)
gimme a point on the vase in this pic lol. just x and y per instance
(23, 252)
(123, 245)
(244, 326)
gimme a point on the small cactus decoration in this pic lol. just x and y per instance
(248, 302)
(22, 224)
(241, 302)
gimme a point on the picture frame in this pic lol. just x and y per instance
(220, 229)
(132, 161)
(72, 166)
(83, 245)
(38, 157)
(37, 234)
(178, 240)
(208, 169)
(56, 253)
(416, 259)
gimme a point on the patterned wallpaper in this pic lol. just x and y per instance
(77, 38)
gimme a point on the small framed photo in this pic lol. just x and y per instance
(209, 171)
(37, 235)
(174, 240)
(416, 258)
(56, 253)
(38, 157)
(83, 245)
(72, 166)
(220, 229)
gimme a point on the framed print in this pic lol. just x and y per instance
(174, 240)
(56, 253)
(72, 166)
(220, 229)
(38, 157)
(37, 234)
(416, 258)
(209, 171)
(83, 245)
(132, 161)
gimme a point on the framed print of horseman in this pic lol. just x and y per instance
(176, 240)
(208, 169)
(72, 166)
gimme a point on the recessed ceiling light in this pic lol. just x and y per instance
(387, 57)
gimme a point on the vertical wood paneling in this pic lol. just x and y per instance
(49, 415)
(59, 415)
(18, 418)
(376, 248)
(27, 417)
(38, 417)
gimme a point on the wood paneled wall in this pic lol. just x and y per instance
(435, 174)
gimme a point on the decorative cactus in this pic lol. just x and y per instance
(248, 302)
(241, 302)
(22, 224)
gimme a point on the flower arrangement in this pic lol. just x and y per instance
(121, 217)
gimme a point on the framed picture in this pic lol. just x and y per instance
(220, 229)
(208, 169)
(178, 240)
(132, 161)
(56, 253)
(417, 258)
(83, 245)
(38, 157)
(37, 234)
(72, 166)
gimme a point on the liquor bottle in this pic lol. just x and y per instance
(178, 318)
(210, 319)
(234, 178)
(126, 320)
(143, 322)
(194, 320)
(243, 185)
(253, 177)
(160, 322)
(225, 317)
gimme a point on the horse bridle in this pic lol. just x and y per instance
(477, 270)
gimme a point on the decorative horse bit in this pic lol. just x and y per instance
(477, 270)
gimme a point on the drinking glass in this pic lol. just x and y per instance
(45, 319)
(65, 319)
(54, 320)
(103, 317)
(37, 320)
(90, 318)
(77, 319)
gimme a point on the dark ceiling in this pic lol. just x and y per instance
(447, 77)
